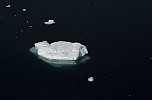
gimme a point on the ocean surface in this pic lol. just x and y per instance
(117, 34)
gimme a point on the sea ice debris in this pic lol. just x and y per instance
(90, 79)
(8, 6)
(49, 22)
(24, 9)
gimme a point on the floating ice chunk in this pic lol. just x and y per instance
(90, 79)
(24, 9)
(49, 22)
(61, 52)
(8, 6)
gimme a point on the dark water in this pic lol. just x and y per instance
(118, 36)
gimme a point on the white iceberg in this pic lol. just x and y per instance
(49, 22)
(61, 52)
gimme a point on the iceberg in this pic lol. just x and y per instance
(61, 52)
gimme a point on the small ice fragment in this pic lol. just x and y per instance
(90, 79)
(49, 22)
(24, 9)
(27, 21)
(8, 6)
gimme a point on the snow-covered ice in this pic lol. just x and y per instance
(49, 22)
(60, 52)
